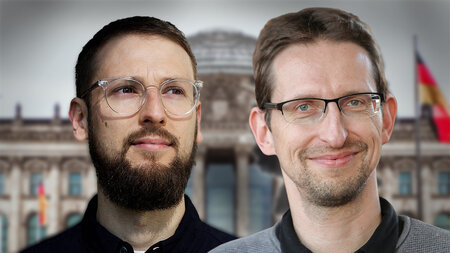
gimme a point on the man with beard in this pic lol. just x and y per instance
(138, 105)
(325, 110)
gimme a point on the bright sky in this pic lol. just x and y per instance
(40, 40)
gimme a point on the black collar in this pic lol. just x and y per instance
(383, 239)
(99, 239)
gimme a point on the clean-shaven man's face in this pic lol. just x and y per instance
(331, 160)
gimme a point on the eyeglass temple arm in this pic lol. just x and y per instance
(278, 106)
(93, 86)
(98, 83)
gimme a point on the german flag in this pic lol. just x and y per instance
(42, 205)
(431, 96)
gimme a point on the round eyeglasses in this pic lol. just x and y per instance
(126, 96)
(311, 110)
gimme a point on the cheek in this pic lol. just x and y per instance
(110, 134)
(288, 142)
(185, 133)
(371, 134)
(374, 129)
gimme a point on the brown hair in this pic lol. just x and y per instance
(308, 26)
(87, 63)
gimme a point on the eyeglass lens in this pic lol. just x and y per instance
(126, 96)
(305, 111)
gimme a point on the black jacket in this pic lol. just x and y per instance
(192, 235)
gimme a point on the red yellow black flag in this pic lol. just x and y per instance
(42, 205)
(431, 95)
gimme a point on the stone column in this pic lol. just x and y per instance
(388, 179)
(14, 223)
(427, 191)
(53, 190)
(242, 194)
(198, 182)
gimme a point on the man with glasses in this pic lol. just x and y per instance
(325, 110)
(138, 106)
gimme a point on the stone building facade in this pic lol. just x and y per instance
(397, 173)
(232, 185)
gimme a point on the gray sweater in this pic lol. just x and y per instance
(416, 237)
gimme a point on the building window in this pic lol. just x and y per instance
(75, 184)
(35, 231)
(4, 234)
(73, 219)
(444, 183)
(220, 196)
(404, 183)
(2, 184)
(260, 199)
(442, 221)
(36, 179)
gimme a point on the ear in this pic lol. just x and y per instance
(199, 117)
(78, 114)
(389, 114)
(261, 131)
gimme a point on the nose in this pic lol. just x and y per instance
(152, 111)
(332, 128)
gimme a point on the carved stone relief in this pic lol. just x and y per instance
(405, 164)
(226, 101)
(36, 165)
(442, 164)
(74, 164)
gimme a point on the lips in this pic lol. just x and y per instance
(334, 160)
(152, 143)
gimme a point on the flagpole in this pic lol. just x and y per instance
(1, 233)
(417, 135)
(38, 232)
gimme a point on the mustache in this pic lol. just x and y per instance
(150, 130)
(354, 145)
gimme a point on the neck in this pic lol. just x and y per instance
(335, 229)
(141, 229)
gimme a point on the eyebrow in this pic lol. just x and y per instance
(163, 79)
(309, 96)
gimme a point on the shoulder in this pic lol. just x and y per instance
(201, 234)
(213, 234)
(261, 242)
(418, 236)
(67, 241)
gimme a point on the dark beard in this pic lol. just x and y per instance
(141, 188)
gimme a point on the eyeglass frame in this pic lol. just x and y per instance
(103, 83)
(279, 106)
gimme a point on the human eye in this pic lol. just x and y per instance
(173, 90)
(304, 106)
(177, 89)
(355, 103)
(301, 108)
(124, 88)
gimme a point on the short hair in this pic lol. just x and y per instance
(305, 27)
(86, 66)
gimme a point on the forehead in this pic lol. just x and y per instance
(321, 69)
(143, 56)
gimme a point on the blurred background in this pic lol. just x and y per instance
(233, 185)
